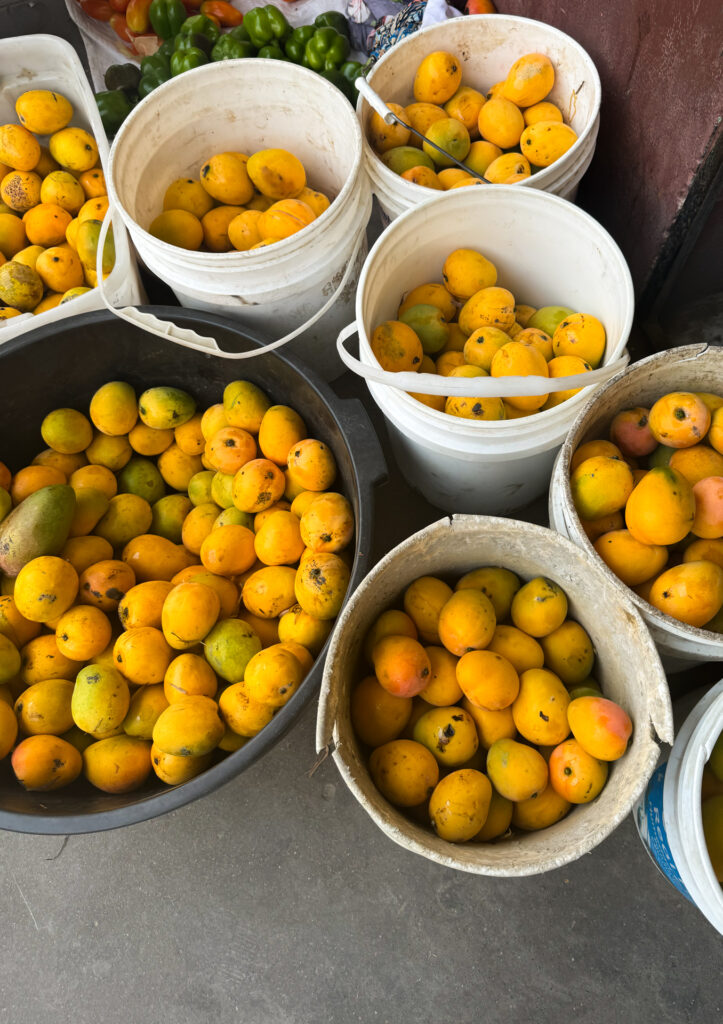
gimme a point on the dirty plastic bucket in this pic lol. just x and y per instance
(690, 368)
(47, 62)
(547, 251)
(628, 669)
(76, 357)
(668, 814)
(247, 105)
(487, 45)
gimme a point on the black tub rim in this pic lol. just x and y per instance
(369, 468)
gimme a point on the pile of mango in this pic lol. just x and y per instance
(481, 713)
(168, 579)
(239, 202)
(650, 500)
(505, 136)
(52, 203)
(712, 807)
(468, 326)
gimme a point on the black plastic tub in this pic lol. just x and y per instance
(62, 365)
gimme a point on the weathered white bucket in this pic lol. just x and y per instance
(692, 368)
(668, 814)
(47, 62)
(628, 669)
(567, 258)
(487, 45)
(304, 285)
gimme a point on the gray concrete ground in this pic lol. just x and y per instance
(277, 901)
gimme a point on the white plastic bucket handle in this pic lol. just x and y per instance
(200, 342)
(472, 387)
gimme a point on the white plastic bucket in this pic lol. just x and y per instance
(248, 105)
(668, 814)
(487, 45)
(47, 62)
(691, 368)
(547, 252)
(628, 669)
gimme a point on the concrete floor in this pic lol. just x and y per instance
(277, 901)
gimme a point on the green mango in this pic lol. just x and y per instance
(403, 158)
(6, 503)
(165, 408)
(168, 516)
(140, 476)
(222, 490)
(100, 701)
(86, 242)
(548, 317)
(199, 487)
(38, 526)
(234, 517)
(660, 457)
(229, 647)
(429, 325)
(584, 691)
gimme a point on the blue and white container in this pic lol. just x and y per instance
(668, 814)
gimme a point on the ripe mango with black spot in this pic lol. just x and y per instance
(20, 286)
(100, 701)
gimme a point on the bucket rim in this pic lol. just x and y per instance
(386, 176)
(712, 642)
(593, 231)
(684, 775)
(286, 246)
(658, 728)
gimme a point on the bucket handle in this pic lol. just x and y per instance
(471, 387)
(200, 342)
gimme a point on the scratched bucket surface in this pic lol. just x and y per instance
(547, 252)
(246, 106)
(487, 45)
(627, 666)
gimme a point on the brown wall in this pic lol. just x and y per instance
(662, 101)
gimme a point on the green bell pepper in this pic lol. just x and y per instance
(344, 77)
(122, 76)
(187, 60)
(228, 48)
(156, 62)
(241, 33)
(351, 70)
(152, 79)
(326, 50)
(166, 17)
(272, 52)
(187, 41)
(199, 24)
(266, 25)
(166, 49)
(332, 19)
(113, 107)
(296, 43)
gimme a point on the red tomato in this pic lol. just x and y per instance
(101, 10)
(120, 26)
(137, 16)
(119, 5)
(223, 12)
